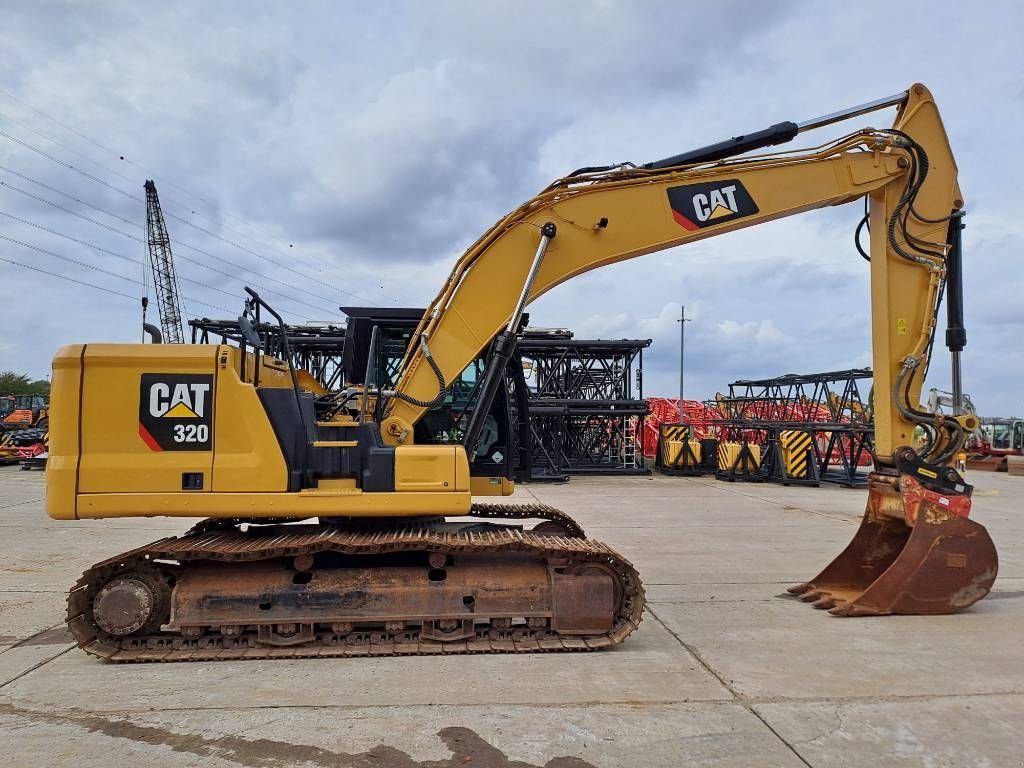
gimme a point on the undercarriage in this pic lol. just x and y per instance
(229, 589)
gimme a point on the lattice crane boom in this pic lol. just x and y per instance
(165, 279)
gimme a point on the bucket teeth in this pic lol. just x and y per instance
(826, 602)
(798, 589)
(812, 595)
(841, 608)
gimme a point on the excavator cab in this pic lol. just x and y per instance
(503, 455)
(1008, 435)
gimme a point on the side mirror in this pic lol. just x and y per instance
(249, 332)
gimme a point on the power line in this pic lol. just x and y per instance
(137, 199)
(70, 196)
(85, 264)
(97, 144)
(72, 279)
(81, 216)
(66, 148)
(69, 279)
(136, 262)
(117, 231)
(12, 97)
(98, 180)
(93, 267)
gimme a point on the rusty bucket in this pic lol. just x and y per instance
(916, 552)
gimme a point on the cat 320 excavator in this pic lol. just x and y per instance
(343, 524)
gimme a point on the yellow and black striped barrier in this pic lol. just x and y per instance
(7, 448)
(739, 461)
(796, 452)
(678, 453)
(791, 458)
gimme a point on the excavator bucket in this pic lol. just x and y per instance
(915, 552)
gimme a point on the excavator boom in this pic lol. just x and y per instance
(611, 215)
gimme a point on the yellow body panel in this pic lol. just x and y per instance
(102, 466)
(62, 463)
(340, 502)
(491, 486)
(308, 383)
(432, 468)
(273, 372)
(246, 456)
(115, 459)
(903, 293)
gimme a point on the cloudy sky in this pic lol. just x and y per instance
(335, 153)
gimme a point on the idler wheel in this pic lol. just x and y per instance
(129, 603)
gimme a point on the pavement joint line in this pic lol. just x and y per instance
(752, 524)
(683, 601)
(33, 635)
(34, 667)
(21, 503)
(529, 490)
(737, 696)
(995, 594)
(785, 507)
(632, 703)
(887, 699)
(628, 703)
(708, 583)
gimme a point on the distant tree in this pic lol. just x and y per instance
(12, 383)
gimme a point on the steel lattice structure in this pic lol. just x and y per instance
(317, 349)
(585, 412)
(833, 406)
(165, 279)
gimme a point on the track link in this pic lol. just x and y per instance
(219, 543)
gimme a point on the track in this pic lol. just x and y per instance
(161, 565)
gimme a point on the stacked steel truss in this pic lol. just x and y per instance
(586, 404)
(316, 348)
(834, 407)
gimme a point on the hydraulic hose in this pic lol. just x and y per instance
(856, 234)
(442, 388)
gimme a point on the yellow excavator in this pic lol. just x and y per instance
(344, 524)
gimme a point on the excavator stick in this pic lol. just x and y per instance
(915, 552)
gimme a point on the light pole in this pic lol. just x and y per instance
(683, 320)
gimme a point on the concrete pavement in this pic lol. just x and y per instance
(722, 672)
